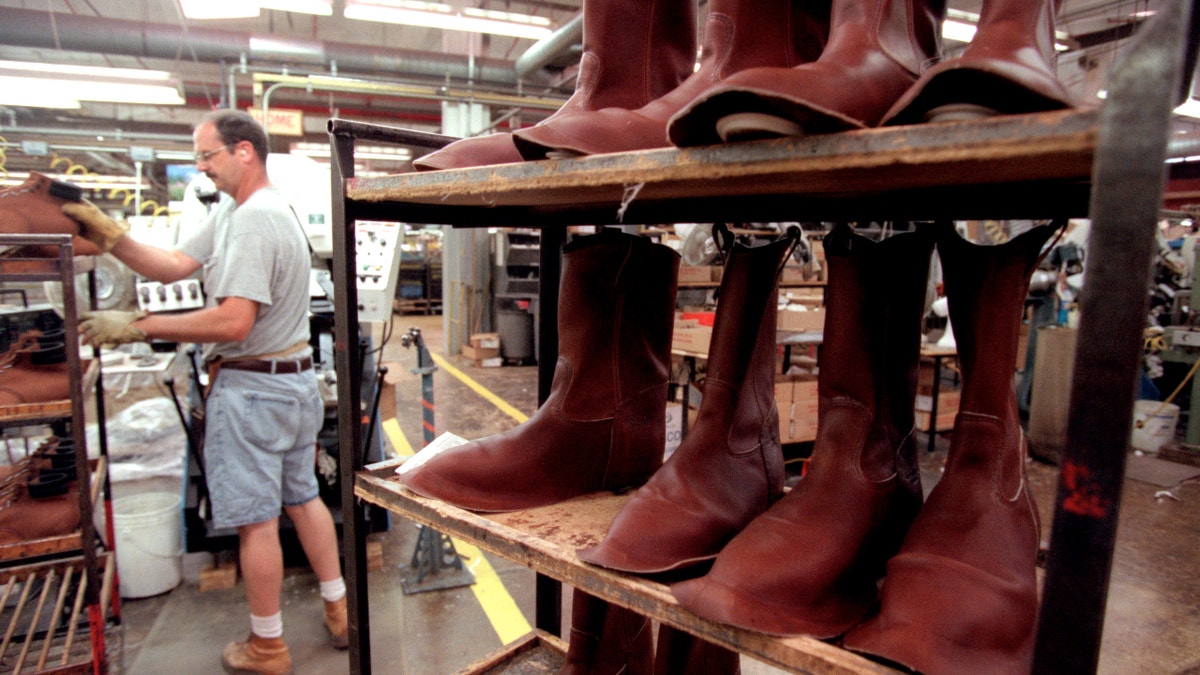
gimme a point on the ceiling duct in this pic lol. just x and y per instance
(563, 41)
(43, 30)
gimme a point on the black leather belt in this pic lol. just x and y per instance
(271, 367)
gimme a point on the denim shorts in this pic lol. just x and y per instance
(260, 444)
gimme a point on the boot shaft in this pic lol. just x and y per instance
(615, 316)
(633, 52)
(606, 639)
(907, 31)
(869, 360)
(741, 34)
(1007, 26)
(986, 288)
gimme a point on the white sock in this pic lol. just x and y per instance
(332, 591)
(267, 626)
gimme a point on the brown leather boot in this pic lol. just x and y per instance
(810, 564)
(35, 207)
(738, 34)
(24, 517)
(603, 425)
(729, 468)
(336, 623)
(32, 372)
(961, 595)
(1008, 68)
(875, 51)
(606, 639)
(257, 656)
(633, 52)
(677, 652)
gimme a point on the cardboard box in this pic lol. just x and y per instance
(947, 401)
(945, 421)
(794, 318)
(792, 274)
(485, 340)
(480, 353)
(691, 274)
(690, 336)
(797, 417)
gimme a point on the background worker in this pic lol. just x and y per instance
(263, 410)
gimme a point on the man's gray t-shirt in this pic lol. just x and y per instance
(256, 251)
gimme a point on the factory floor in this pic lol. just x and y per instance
(1152, 624)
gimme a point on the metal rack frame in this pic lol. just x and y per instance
(1106, 164)
(97, 574)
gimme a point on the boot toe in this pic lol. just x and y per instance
(470, 152)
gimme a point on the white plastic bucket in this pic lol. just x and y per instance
(149, 534)
(1151, 433)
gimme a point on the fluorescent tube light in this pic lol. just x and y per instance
(58, 85)
(219, 9)
(381, 152)
(318, 7)
(92, 182)
(1189, 108)
(438, 15)
(957, 31)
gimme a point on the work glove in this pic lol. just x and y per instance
(110, 328)
(94, 225)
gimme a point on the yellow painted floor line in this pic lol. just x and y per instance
(499, 607)
(396, 436)
(479, 389)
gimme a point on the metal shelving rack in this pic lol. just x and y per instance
(1106, 164)
(71, 567)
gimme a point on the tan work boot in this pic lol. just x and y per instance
(335, 623)
(257, 656)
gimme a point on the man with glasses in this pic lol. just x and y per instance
(263, 409)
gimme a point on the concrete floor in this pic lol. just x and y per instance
(1152, 622)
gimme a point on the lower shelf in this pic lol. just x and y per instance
(71, 541)
(47, 627)
(545, 540)
(534, 653)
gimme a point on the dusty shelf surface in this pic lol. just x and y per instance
(545, 540)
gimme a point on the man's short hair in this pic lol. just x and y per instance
(235, 126)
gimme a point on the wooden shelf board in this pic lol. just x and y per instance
(71, 541)
(919, 166)
(545, 539)
(535, 652)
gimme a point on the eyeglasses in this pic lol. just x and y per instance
(205, 156)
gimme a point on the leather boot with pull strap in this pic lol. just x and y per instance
(603, 426)
(810, 564)
(729, 468)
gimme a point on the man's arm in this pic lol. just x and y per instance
(152, 262)
(229, 321)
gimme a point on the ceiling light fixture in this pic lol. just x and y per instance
(1189, 108)
(249, 9)
(65, 86)
(317, 7)
(381, 152)
(959, 26)
(438, 15)
(90, 182)
(219, 9)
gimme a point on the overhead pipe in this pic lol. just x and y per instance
(56, 30)
(547, 50)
